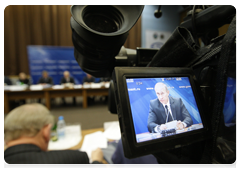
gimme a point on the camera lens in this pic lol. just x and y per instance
(99, 32)
(101, 23)
(105, 19)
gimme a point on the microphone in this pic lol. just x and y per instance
(158, 13)
(167, 113)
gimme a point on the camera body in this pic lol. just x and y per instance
(99, 33)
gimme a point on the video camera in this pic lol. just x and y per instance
(98, 35)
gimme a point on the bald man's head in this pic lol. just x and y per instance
(22, 76)
(26, 120)
(66, 74)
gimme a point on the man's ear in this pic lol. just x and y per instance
(168, 92)
(47, 132)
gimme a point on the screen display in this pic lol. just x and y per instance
(162, 107)
(229, 110)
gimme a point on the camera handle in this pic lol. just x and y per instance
(207, 21)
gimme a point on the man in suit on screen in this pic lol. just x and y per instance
(27, 131)
(165, 109)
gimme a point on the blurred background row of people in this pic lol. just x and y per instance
(66, 80)
(46, 79)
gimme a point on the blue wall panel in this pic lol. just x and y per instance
(55, 60)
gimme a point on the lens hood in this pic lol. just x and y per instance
(99, 32)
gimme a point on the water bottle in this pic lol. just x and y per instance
(61, 127)
(54, 136)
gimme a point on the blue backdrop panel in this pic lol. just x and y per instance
(55, 60)
(141, 91)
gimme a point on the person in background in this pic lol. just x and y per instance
(45, 79)
(88, 79)
(27, 130)
(120, 161)
(7, 81)
(23, 79)
(104, 80)
(65, 80)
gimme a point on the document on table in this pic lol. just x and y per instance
(36, 87)
(77, 86)
(112, 130)
(86, 86)
(96, 85)
(93, 141)
(17, 87)
(58, 87)
(107, 84)
(7, 87)
(171, 125)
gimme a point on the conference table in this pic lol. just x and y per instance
(49, 93)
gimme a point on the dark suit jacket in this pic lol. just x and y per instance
(157, 115)
(32, 154)
(7, 80)
(104, 79)
(25, 81)
(48, 80)
(119, 158)
(87, 80)
(71, 80)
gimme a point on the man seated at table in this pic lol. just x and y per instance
(27, 131)
(89, 79)
(23, 79)
(165, 109)
(104, 80)
(45, 79)
(67, 81)
(7, 81)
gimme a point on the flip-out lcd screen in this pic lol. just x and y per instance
(162, 107)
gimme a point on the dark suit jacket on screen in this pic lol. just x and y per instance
(32, 154)
(71, 80)
(157, 115)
